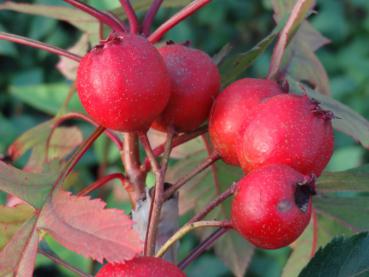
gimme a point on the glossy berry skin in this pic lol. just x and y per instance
(123, 83)
(141, 267)
(288, 129)
(272, 206)
(195, 84)
(233, 108)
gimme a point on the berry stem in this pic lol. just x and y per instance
(214, 171)
(63, 263)
(59, 120)
(205, 164)
(214, 203)
(315, 233)
(149, 17)
(178, 140)
(157, 199)
(103, 17)
(131, 160)
(104, 180)
(177, 18)
(188, 228)
(202, 247)
(39, 45)
(131, 14)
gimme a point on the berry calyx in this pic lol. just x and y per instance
(272, 205)
(195, 84)
(123, 83)
(291, 130)
(141, 267)
(233, 109)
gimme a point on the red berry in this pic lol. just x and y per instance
(235, 107)
(195, 83)
(123, 83)
(288, 129)
(272, 206)
(141, 267)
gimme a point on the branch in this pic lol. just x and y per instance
(206, 210)
(177, 18)
(315, 233)
(39, 45)
(59, 120)
(149, 17)
(202, 247)
(59, 261)
(205, 164)
(103, 181)
(103, 17)
(188, 228)
(181, 139)
(157, 200)
(131, 160)
(131, 14)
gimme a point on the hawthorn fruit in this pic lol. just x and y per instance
(288, 129)
(233, 109)
(272, 205)
(123, 83)
(141, 267)
(195, 84)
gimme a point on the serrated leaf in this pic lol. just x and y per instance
(351, 212)
(18, 257)
(356, 179)
(85, 227)
(11, 218)
(47, 98)
(232, 249)
(341, 258)
(347, 120)
(31, 187)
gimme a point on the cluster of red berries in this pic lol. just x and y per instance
(282, 142)
(126, 84)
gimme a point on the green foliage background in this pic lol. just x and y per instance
(242, 23)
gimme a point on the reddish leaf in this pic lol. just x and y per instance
(19, 255)
(30, 187)
(11, 219)
(68, 67)
(85, 227)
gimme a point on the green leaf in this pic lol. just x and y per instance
(47, 98)
(341, 258)
(30, 187)
(356, 179)
(233, 66)
(11, 219)
(351, 212)
(77, 18)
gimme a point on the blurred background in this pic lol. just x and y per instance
(32, 89)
